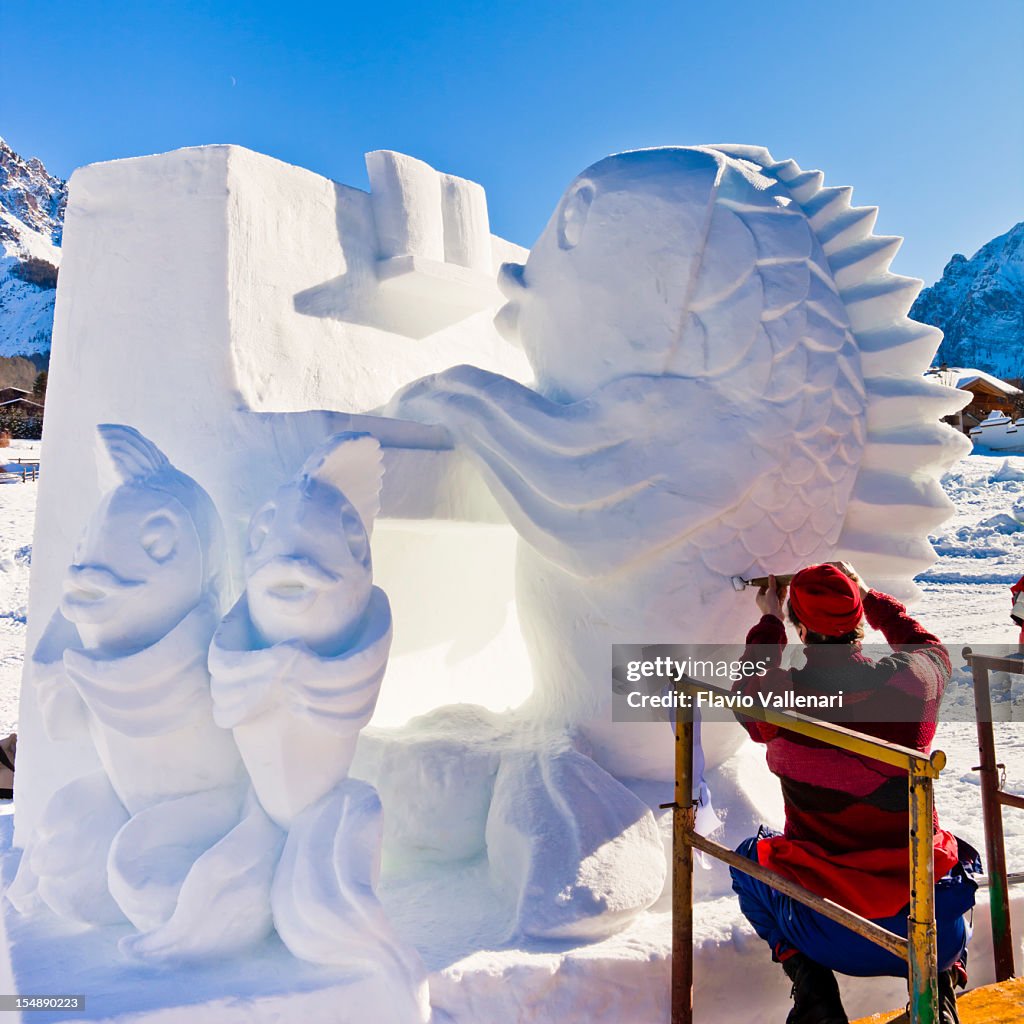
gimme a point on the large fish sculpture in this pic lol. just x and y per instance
(726, 384)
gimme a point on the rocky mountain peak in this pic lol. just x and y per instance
(31, 194)
(32, 203)
(979, 305)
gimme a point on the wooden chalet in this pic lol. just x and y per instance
(22, 405)
(988, 394)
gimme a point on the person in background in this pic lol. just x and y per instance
(1017, 611)
(8, 752)
(847, 828)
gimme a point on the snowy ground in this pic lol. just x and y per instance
(966, 601)
(17, 517)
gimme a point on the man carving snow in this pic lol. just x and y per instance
(846, 833)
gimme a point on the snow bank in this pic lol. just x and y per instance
(17, 516)
(1007, 472)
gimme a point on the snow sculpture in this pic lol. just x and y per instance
(726, 384)
(580, 853)
(433, 237)
(342, 328)
(125, 659)
(64, 867)
(297, 666)
(297, 663)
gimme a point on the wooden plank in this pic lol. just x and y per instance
(683, 821)
(994, 663)
(1016, 878)
(1010, 800)
(992, 813)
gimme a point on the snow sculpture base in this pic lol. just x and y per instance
(41, 954)
(473, 977)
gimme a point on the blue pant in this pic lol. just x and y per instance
(786, 925)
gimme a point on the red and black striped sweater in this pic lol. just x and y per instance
(847, 821)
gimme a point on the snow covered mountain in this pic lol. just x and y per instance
(979, 304)
(32, 203)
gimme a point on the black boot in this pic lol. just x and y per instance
(815, 993)
(948, 980)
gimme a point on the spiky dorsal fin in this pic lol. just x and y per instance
(351, 462)
(126, 455)
(805, 185)
(854, 225)
(896, 497)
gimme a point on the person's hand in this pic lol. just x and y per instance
(771, 598)
(848, 570)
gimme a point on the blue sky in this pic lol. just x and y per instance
(916, 103)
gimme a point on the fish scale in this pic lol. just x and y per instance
(853, 306)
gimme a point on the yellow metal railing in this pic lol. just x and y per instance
(919, 949)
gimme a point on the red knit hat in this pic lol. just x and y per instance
(825, 600)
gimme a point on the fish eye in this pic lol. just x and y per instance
(355, 535)
(159, 537)
(259, 528)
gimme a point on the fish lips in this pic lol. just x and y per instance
(290, 584)
(91, 592)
